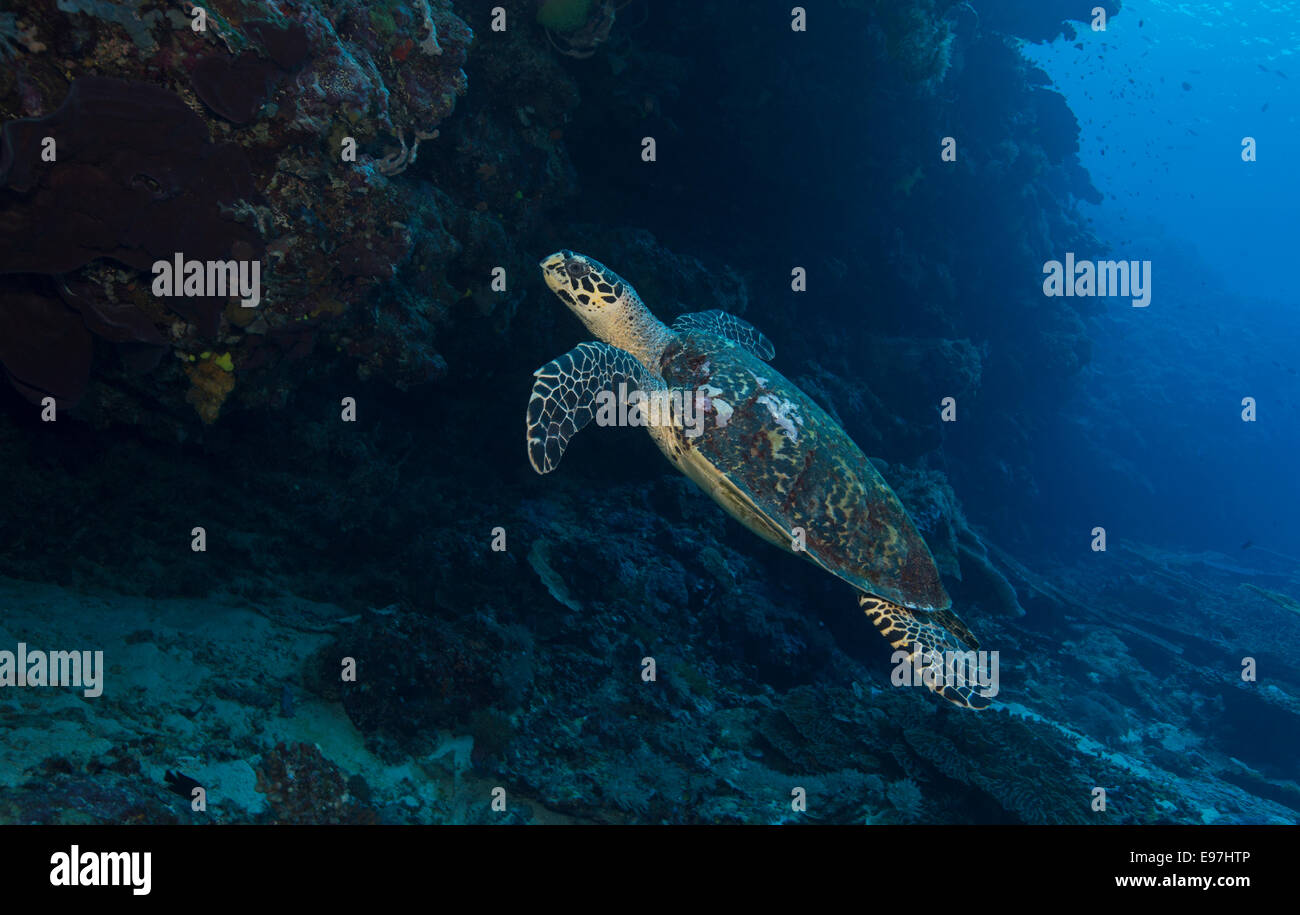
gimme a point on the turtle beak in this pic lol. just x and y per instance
(553, 272)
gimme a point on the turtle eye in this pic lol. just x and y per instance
(576, 269)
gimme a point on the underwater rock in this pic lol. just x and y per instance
(958, 550)
(918, 39)
(1039, 20)
(914, 376)
(136, 180)
(980, 572)
(45, 348)
(78, 798)
(539, 555)
(417, 675)
(114, 321)
(302, 786)
(934, 509)
(235, 89)
(1059, 128)
(288, 46)
(564, 15)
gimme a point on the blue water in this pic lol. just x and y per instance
(1165, 97)
(1164, 108)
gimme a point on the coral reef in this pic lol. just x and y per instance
(138, 178)
(302, 786)
(211, 383)
(766, 678)
(1041, 20)
(419, 676)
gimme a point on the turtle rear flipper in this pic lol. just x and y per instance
(565, 393)
(940, 632)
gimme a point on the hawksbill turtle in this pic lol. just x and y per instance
(760, 447)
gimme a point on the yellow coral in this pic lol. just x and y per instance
(210, 384)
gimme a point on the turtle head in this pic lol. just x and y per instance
(596, 294)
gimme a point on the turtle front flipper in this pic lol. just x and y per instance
(565, 393)
(728, 327)
(937, 635)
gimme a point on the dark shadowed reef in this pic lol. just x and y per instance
(477, 150)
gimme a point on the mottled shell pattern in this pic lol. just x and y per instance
(792, 460)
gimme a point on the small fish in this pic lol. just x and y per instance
(1248, 544)
(1187, 87)
(1265, 108)
(180, 783)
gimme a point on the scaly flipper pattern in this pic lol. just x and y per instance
(728, 327)
(912, 631)
(564, 395)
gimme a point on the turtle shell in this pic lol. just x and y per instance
(798, 468)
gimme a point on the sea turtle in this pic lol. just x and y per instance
(759, 446)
